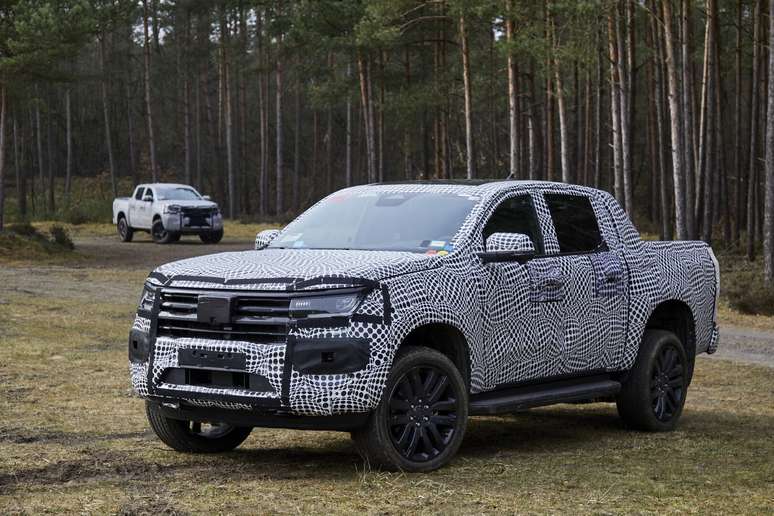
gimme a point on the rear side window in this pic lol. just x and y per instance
(575, 222)
(138, 193)
(515, 215)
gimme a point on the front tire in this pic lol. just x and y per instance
(125, 232)
(161, 235)
(420, 422)
(653, 395)
(212, 237)
(194, 437)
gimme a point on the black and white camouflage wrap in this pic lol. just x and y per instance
(553, 315)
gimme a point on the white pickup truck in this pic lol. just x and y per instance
(167, 211)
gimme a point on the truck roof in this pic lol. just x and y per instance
(485, 185)
(166, 185)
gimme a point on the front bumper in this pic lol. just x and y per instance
(183, 223)
(336, 367)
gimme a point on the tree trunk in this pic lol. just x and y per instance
(280, 185)
(678, 171)
(768, 211)
(738, 174)
(711, 161)
(39, 147)
(550, 172)
(297, 145)
(106, 118)
(624, 93)
(50, 155)
(598, 117)
(2, 155)
(365, 98)
(615, 109)
(69, 143)
(130, 133)
(262, 117)
(688, 120)
(513, 126)
(702, 156)
(469, 157)
(753, 161)
(658, 89)
(348, 158)
(21, 190)
(380, 161)
(148, 109)
(564, 143)
(187, 103)
(227, 113)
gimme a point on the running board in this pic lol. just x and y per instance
(520, 398)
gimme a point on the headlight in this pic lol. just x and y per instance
(172, 209)
(147, 299)
(340, 304)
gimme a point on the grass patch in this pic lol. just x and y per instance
(742, 286)
(24, 242)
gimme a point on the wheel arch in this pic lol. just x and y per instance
(121, 215)
(676, 316)
(444, 338)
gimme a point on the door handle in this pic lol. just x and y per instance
(553, 283)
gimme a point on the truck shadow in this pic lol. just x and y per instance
(296, 456)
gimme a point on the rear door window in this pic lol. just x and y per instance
(138, 193)
(575, 222)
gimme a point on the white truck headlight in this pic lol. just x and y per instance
(337, 304)
(172, 209)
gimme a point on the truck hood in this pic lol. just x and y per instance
(290, 269)
(188, 204)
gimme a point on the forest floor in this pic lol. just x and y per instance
(74, 439)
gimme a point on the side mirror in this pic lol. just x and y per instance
(507, 247)
(147, 198)
(264, 238)
(206, 198)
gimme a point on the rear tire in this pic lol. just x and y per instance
(192, 437)
(161, 235)
(653, 395)
(420, 422)
(211, 237)
(125, 232)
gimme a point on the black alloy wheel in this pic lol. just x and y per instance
(420, 421)
(654, 390)
(422, 413)
(666, 384)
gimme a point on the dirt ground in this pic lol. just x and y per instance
(73, 439)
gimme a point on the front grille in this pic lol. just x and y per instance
(260, 318)
(198, 216)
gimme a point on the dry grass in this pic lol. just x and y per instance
(72, 439)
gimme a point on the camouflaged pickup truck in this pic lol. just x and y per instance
(397, 311)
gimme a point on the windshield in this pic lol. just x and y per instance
(371, 220)
(177, 194)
